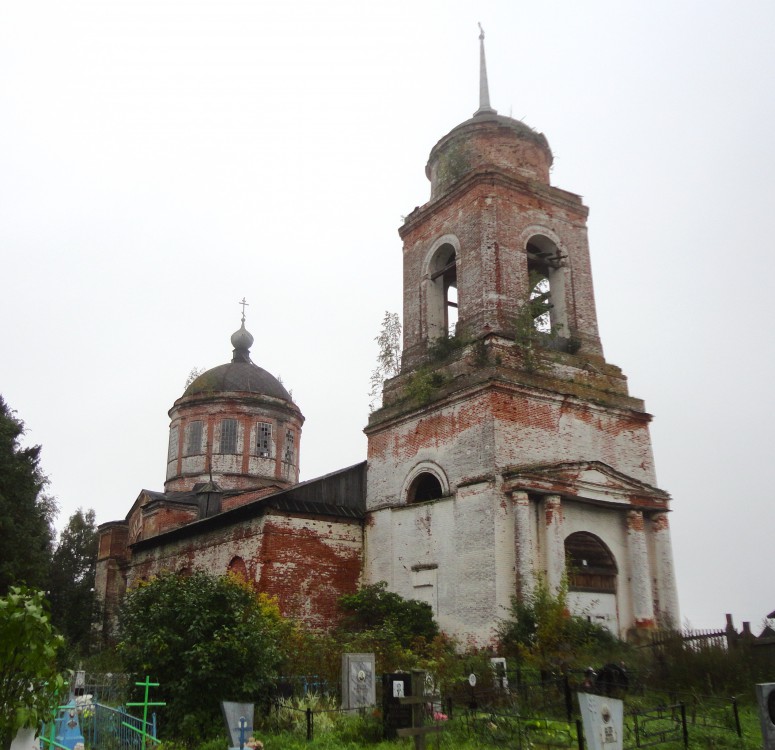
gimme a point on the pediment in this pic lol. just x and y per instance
(593, 481)
(145, 497)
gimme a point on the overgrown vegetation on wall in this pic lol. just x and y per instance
(388, 358)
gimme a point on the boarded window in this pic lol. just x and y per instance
(264, 439)
(229, 436)
(194, 438)
(591, 566)
(290, 452)
(172, 452)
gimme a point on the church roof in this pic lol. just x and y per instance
(340, 494)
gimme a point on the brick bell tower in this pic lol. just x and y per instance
(508, 449)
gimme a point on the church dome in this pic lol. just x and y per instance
(238, 376)
(235, 425)
(488, 142)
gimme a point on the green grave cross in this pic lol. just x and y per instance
(145, 704)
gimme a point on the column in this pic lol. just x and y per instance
(555, 542)
(525, 545)
(640, 573)
(669, 615)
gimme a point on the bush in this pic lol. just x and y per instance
(30, 683)
(375, 608)
(204, 639)
(543, 634)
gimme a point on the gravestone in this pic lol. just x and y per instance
(238, 718)
(498, 665)
(603, 720)
(765, 697)
(358, 689)
(395, 715)
(68, 728)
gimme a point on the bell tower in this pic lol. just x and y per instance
(508, 449)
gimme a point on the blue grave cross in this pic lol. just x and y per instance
(243, 730)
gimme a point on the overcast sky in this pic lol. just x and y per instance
(161, 159)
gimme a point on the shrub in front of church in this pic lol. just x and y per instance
(542, 633)
(374, 607)
(204, 639)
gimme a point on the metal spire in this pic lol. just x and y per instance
(484, 91)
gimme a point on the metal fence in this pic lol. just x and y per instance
(108, 688)
(109, 728)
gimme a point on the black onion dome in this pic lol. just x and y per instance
(243, 377)
(239, 375)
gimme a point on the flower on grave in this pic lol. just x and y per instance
(254, 744)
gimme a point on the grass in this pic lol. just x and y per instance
(356, 733)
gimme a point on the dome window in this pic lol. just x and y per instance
(228, 436)
(264, 439)
(172, 452)
(290, 452)
(194, 438)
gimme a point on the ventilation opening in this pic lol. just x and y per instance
(425, 487)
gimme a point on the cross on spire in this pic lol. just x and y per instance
(244, 304)
(484, 90)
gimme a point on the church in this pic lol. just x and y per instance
(507, 450)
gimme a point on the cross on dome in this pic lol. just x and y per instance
(244, 304)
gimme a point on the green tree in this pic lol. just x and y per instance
(26, 512)
(374, 608)
(71, 581)
(30, 685)
(204, 639)
(388, 359)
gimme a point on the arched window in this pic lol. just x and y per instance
(238, 568)
(442, 292)
(425, 486)
(546, 299)
(591, 566)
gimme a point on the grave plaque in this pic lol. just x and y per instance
(500, 677)
(358, 689)
(238, 731)
(765, 697)
(394, 715)
(603, 720)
